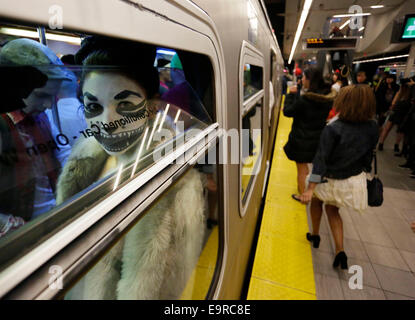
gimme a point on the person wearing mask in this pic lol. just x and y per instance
(338, 178)
(309, 112)
(172, 232)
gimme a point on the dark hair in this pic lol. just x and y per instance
(355, 103)
(317, 83)
(68, 59)
(361, 72)
(392, 76)
(134, 60)
(404, 94)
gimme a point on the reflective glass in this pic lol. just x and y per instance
(76, 133)
(252, 80)
(251, 146)
(170, 253)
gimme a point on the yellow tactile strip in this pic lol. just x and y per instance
(283, 267)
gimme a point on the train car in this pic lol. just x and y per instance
(137, 167)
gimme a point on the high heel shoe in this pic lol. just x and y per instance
(315, 239)
(341, 259)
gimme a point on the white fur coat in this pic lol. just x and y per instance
(157, 256)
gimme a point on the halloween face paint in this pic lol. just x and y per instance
(117, 105)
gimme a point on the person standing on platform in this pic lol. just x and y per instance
(384, 98)
(309, 107)
(339, 171)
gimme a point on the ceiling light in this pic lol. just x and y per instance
(167, 52)
(345, 24)
(351, 15)
(377, 6)
(380, 59)
(34, 34)
(303, 18)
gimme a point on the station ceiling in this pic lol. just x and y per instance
(375, 39)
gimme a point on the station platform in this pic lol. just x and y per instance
(380, 241)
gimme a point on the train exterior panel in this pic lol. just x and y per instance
(233, 62)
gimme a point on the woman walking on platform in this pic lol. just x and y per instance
(339, 171)
(309, 107)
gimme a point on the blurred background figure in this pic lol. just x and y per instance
(31, 159)
(361, 78)
(398, 110)
(384, 97)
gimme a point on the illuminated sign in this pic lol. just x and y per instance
(408, 30)
(330, 44)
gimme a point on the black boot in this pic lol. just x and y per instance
(396, 148)
(315, 239)
(341, 259)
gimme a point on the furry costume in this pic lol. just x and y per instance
(156, 257)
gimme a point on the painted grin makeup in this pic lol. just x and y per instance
(132, 115)
(120, 141)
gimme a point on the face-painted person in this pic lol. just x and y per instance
(118, 82)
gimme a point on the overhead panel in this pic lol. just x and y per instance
(329, 44)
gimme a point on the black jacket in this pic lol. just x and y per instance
(381, 104)
(310, 112)
(345, 150)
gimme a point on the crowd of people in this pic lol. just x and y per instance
(336, 129)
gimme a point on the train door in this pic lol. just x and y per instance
(252, 112)
(135, 206)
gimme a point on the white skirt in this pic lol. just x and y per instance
(350, 193)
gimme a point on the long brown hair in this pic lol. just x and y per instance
(355, 103)
(317, 83)
(404, 94)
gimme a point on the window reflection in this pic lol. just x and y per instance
(252, 80)
(251, 146)
(30, 157)
(162, 256)
(66, 128)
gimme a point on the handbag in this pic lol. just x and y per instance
(375, 188)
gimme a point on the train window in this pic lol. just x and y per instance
(170, 253)
(273, 84)
(251, 146)
(77, 121)
(252, 80)
(252, 112)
